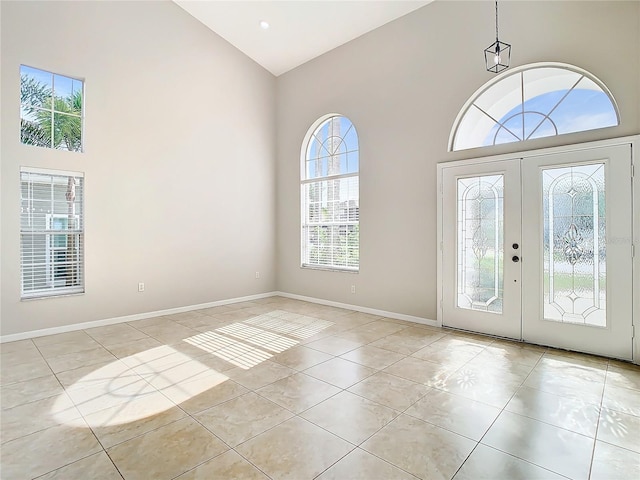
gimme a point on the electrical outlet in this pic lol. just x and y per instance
(141, 287)
(353, 289)
(257, 275)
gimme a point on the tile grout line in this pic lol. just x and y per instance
(524, 416)
(341, 390)
(600, 409)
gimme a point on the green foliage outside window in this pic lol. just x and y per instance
(50, 116)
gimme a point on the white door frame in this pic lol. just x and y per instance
(634, 141)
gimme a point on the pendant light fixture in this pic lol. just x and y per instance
(498, 54)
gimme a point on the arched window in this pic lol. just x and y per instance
(534, 101)
(330, 194)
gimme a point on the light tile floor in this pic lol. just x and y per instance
(283, 389)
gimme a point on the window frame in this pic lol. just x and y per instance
(54, 286)
(53, 111)
(305, 180)
(51, 249)
(519, 71)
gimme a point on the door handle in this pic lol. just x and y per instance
(515, 258)
(515, 246)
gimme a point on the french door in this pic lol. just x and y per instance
(539, 249)
(481, 240)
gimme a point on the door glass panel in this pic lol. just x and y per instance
(574, 244)
(480, 223)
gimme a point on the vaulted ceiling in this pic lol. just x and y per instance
(298, 31)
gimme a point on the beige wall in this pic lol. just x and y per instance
(184, 186)
(179, 159)
(402, 85)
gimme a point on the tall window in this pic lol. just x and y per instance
(534, 101)
(50, 110)
(51, 232)
(331, 196)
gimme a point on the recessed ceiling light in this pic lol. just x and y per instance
(264, 24)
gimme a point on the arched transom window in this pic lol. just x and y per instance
(330, 195)
(534, 101)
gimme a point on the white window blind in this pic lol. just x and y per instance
(51, 232)
(331, 197)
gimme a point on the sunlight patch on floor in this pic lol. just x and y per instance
(116, 394)
(292, 324)
(230, 342)
(150, 382)
(233, 351)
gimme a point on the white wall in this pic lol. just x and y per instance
(402, 85)
(179, 159)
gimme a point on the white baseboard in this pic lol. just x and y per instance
(372, 311)
(159, 313)
(127, 318)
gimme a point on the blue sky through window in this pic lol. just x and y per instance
(578, 110)
(334, 143)
(50, 109)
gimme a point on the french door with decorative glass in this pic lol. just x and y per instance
(539, 249)
(481, 237)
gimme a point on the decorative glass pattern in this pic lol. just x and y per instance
(575, 244)
(480, 243)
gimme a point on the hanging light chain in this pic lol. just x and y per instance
(496, 20)
(497, 56)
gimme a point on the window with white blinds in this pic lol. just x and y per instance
(331, 196)
(51, 232)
